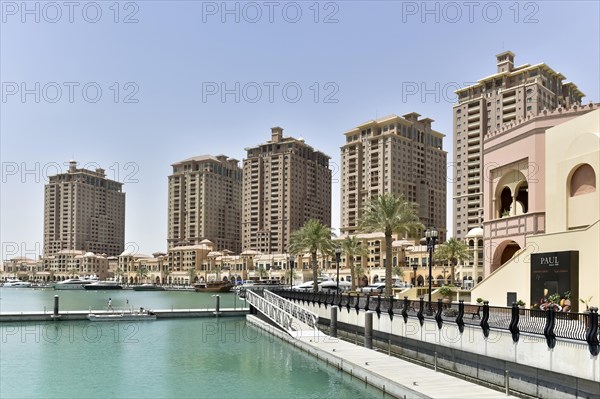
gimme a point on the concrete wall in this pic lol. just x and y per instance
(567, 357)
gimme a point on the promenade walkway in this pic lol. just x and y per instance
(392, 375)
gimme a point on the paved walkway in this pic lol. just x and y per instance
(392, 375)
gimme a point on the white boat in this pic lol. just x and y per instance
(332, 285)
(17, 284)
(104, 285)
(262, 283)
(123, 316)
(72, 284)
(308, 285)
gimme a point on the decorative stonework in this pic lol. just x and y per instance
(560, 111)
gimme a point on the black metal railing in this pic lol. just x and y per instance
(546, 323)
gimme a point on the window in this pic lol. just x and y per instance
(583, 181)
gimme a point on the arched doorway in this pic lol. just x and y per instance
(504, 252)
(420, 281)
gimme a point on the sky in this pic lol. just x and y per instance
(135, 86)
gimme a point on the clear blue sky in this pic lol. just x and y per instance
(366, 61)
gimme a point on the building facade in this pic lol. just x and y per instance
(397, 155)
(205, 202)
(514, 186)
(509, 94)
(562, 196)
(84, 211)
(286, 183)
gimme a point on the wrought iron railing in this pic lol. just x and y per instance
(547, 323)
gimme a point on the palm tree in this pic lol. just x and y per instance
(165, 274)
(358, 271)
(397, 271)
(217, 269)
(453, 251)
(290, 274)
(351, 248)
(72, 272)
(313, 237)
(261, 271)
(192, 274)
(118, 273)
(390, 214)
(142, 273)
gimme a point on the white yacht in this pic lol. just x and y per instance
(17, 284)
(103, 285)
(73, 284)
(308, 285)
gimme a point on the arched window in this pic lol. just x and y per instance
(505, 201)
(583, 181)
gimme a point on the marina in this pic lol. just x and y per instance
(184, 350)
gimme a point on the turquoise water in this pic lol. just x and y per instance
(175, 358)
(200, 358)
(27, 299)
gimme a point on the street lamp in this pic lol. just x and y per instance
(431, 235)
(338, 256)
(415, 266)
(291, 263)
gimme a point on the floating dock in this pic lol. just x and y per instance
(82, 314)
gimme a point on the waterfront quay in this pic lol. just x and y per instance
(523, 363)
(392, 375)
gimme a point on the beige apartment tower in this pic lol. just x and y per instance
(83, 210)
(205, 202)
(286, 183)
(504, 97)
(397, 155)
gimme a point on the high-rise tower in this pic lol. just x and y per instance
(286, 183)
(83, 210)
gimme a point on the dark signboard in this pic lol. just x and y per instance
(553, 276)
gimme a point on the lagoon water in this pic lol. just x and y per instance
(177, 358)
(27, 299)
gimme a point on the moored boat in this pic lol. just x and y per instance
(148, 287)
(73, 284)
(17, 284)
(104, 285)
(213, 286)
(130, 316)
